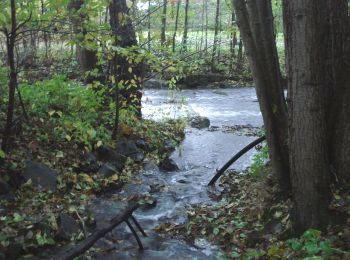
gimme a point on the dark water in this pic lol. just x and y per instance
(200, 154)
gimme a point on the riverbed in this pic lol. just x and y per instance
(199, 155)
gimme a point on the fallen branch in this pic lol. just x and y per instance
(86, 244)
(235, 158)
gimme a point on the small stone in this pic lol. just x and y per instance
(138, 157)
(141, 144)
(67, 226)
(200, 122)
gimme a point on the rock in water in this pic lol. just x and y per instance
(199, 122)
(168, 165)
(41, 175)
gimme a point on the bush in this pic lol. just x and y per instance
(76, 111)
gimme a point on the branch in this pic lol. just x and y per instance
(86, 244)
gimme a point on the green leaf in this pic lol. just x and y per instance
(295, 244)
(17, 217)
(216, 231)
(2, 154)
(326, 248)
(311, 248)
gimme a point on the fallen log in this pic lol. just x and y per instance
(86, 244)
(235, 158)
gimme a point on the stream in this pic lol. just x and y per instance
(198, 157)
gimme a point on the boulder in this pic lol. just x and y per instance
(67, 226)
(40, 175)
(108, 170)
(128, 148)
(168, 165)
(107, 154)
(89, 164)
(199, 122)
(150, 166)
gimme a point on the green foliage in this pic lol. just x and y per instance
(311, 244)
(75, 111)
(259, 162)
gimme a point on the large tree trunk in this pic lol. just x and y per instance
(216, 32)
(87, 58)
(128, 74)
(338, 81)
(255, 21)
(10, 44)
(176, 23)
(306, 33)
(185, 35)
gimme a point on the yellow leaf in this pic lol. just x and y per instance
(129, 3)
(130, 70)
(68, 138)
(59, 154)
(114, 177)
(99, 144)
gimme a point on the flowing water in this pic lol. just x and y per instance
(198, 157)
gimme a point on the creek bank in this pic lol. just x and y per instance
(201, 81)
(60, 196)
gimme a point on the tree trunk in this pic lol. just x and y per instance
(176, 23)
(216, 31)
(338, 80)
(87, 58)
(185, 36)
(129, 75)
(306, 33)
(255, 21)
(10, 44)
(149, 26)
(162, 34)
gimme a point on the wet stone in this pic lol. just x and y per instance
(168, 164)
(108, 170)
(40, 175)
(67, 226)
(90, 164)
(107, 154)
(199, 122)
(141, 144)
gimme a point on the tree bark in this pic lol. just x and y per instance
(185, 35)
(128, 74)
(306, 29)
(255, 21)
(176, 23)
(10, 44)
(87, 58)
(338, 82)
(216, 32)
(162, 34)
